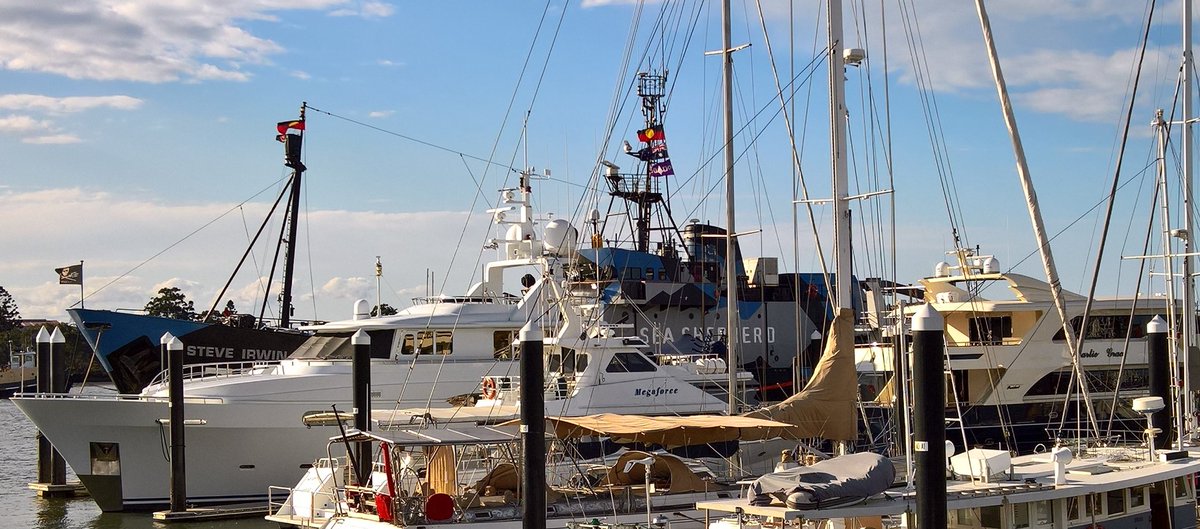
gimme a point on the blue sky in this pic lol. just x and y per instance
(124, 126)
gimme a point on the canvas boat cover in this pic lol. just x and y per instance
(825, 407)
(826, 483)
(666, 431)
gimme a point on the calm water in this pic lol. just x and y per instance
(22, 508)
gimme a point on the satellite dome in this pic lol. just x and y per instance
(561, 238)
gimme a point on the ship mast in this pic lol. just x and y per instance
(292, 144)
(837, 121)
(1189, 239)
(732, 325)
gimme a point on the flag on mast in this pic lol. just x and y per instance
(283, 126)
(70, 275)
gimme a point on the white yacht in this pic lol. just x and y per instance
(1011, 369)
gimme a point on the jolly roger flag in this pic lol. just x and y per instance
(70, 275)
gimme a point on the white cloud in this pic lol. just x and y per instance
(23, 124)
(381, 113)
(64, 105)
(299, 74)
(366, 9)
(352, 288)
(34, 130)
(388, 63)
(52, 139)
(141, 40)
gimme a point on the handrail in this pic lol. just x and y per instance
(213, 370)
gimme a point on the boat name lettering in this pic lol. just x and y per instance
(750, 334)
(1114, 354)
(263, 354)
(210, 352)
(230, 353)
(655, 392)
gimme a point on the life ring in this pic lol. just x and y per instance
(490, 391)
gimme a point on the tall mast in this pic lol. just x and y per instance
(732, 325)
(292, 143)
(1035, 215)
(1189, 284)
(837, 143)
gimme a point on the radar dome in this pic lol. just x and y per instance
(516, 241)
(560, 237)
(991, 265)
(941, 269)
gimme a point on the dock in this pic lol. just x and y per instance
(210, 514)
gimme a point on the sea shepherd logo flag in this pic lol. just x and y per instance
(70, 275)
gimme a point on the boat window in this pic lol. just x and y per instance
(1116, 501)
(1042, 512)
(649, 273)
(568, 360)
(1137, 497)
(629, 363)
(633, 273)
(581, 362)
(444, 342)
(1093, 505)
(991, 331)
(553, 362)
(406, 345)
(1113, 327)
(425, 342)
(381, 343)
(1073, 508)
(502, 344)
(662, 274)
(1100, 380)
(1181, 487)
(989, 517)
(1020, 515)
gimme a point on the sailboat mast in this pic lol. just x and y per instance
(1189, 283)
(285, 297)
(731, 281)
(837, 143)
(1035, 215)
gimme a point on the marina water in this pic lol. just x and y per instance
(24, 509)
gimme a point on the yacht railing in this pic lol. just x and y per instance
(214, 370)
(497, 300)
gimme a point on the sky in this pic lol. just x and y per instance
(138, 136)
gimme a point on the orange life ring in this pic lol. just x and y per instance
(489, 388)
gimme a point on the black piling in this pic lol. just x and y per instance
(929, 417)
(533, 426)
(58, 384)
(1159, 362)
(45, 451)
(173, 349)
(362, 399)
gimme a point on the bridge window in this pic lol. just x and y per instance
(991, 331)
(502, 344)
(427, 342)
(1116, 501)
(629, 363)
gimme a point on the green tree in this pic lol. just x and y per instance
(9, 315)
(383, 310)
(171, 303)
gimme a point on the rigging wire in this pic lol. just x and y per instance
(179, 241)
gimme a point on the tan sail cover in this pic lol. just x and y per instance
(825, 407)
(666, 431)
(668, 473)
